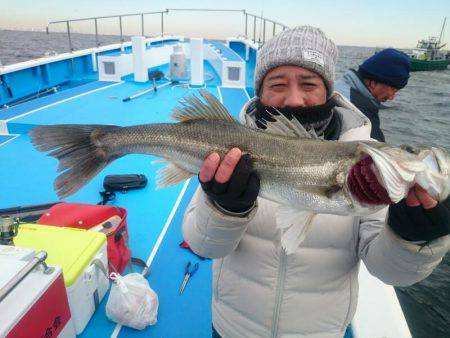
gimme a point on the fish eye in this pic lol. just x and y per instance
(409, 149)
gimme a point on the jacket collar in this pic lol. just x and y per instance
(354, 81)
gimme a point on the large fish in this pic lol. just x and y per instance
(295, 170)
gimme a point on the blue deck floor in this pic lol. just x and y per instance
(27, 178)
(37, 103)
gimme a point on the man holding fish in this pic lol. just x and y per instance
(273, 279)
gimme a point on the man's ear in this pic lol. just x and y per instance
(371, 84)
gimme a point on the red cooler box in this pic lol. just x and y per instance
(37, 306)
(110, 220)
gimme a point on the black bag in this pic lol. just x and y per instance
(124, 182)
(121, 183)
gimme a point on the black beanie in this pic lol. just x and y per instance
(388, 66)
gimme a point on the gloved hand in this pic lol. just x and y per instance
(238, 192)
(417, 223)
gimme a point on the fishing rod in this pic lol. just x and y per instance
(31, 97)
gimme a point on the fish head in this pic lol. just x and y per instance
(438, 163)
(398, 168)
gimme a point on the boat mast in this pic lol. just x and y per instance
(442, 31)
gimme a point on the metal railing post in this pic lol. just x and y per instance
(96, 33)
(68, 33)
(142, 24)
(264, 31)
(273, 32)
(254, 28)
(246, 19)
(120, 25)
(162, 23)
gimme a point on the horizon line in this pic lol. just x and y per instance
(74, 32)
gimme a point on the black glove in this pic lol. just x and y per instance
(240, 192)
(419, 224)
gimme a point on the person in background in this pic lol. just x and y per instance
(377, 80)
(259, 290)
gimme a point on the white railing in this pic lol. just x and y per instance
(257, 20)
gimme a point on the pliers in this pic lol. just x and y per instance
(189, 272)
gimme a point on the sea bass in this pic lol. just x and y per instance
(295, 170)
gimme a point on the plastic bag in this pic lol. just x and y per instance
(132, 302)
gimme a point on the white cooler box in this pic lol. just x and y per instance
(37, 306)
(82, 256)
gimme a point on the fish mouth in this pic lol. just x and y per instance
(364, 185)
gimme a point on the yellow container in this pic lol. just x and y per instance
(70, 248)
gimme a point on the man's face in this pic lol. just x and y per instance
(292, 86)
(382, 92)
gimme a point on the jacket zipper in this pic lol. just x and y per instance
(216, 289)
(279, 293)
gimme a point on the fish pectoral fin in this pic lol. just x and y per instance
(171, 175)
(192, 108)
(295, 225)
(330, 191)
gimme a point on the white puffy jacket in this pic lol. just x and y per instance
(259, 291)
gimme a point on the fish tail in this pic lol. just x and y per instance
(79, 149)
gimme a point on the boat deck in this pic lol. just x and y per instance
(154, 217)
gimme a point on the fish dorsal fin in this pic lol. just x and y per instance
(171, 175)
(283, 126)
(192, 108)
(295, 225)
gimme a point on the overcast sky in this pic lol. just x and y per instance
(377, 23)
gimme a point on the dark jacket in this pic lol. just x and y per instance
(354, 89)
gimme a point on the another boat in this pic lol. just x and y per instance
(110, 85)
(429, 55)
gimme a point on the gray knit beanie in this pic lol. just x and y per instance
(303, 46)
